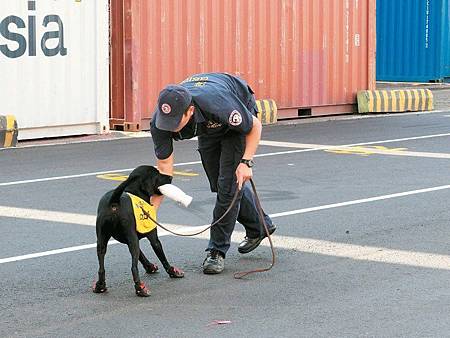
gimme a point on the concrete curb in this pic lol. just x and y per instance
(8, 131)
(379, 101)
(267, 111)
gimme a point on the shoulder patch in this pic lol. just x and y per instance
(235, 118)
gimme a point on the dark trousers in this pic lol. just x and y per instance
(220, 157)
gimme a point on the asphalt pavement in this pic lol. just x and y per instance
(362, 245)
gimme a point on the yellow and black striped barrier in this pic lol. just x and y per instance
(8, 131)
(379, 101)
(267, 111)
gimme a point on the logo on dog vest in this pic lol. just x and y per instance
(143, 223)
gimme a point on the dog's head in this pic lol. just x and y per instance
(146, 180)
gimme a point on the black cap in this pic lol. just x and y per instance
(172, 103)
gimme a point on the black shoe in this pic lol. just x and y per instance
(213, 263)
(250, 244)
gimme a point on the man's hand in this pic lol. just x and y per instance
(243, 173)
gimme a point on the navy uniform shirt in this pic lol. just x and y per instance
(222, 102)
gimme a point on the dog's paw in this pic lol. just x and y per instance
(142, 290)
(99, 287)
(151, 268)
(175, 272)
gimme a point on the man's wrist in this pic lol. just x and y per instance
(248, 162)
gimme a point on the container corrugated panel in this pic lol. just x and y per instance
(310, 56)
(445, 42)
(413, 40)
(54, 66)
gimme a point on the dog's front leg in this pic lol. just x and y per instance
(141, 289)
(173, 271)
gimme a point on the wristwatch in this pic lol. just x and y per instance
(249, 163)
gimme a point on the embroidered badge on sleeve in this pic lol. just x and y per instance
(235, 118)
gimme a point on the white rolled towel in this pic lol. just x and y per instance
(176, 194)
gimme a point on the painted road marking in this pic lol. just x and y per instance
(358, 148)
(84, 219)
(305, 148)
(363, 253)
(360, 201)
(47, 215)
(323, 247)
(185, 173)
(56, 178)
(113, 177)
(364, 151)
(305, 245)
(323, 147)
(52, 252)
(121, 178)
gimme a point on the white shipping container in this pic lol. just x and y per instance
(54, 66)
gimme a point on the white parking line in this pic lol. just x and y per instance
(56, 178)
(47, 215)
(306, 245)
(357, 149)
(360, 201)
(363, 252)
(327, 147)
(308, 148)
(51, 252)
(351, 251)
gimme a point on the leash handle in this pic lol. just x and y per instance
(240, 275)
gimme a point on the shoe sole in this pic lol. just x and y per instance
(256, 244)
(211, 272)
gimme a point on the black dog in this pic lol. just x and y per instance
(115, 218)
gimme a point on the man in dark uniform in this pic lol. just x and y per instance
(220, 109)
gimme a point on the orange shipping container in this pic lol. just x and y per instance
(310, 56)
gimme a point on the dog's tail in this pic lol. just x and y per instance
(115, 197)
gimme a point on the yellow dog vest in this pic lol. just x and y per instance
(143, 223)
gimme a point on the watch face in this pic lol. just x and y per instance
(249, 163)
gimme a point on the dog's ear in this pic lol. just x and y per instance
(161, 180)
(154, 180)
